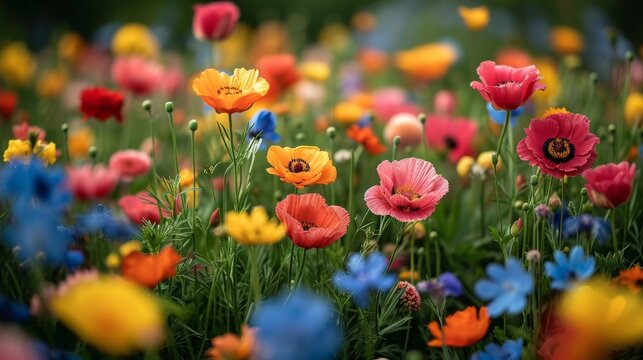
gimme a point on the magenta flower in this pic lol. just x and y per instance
(505, 87)
(214, 21)
(610, 185)
(137, 74)
(91, 182)
(130, 164)
(409, 190)
(452, 134)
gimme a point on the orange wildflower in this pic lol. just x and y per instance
(230, 94)
(348, 112)
(232, 347)
(462, 328)
(301, 166)
(148, 269)
(427, 62)
(365, 137)
(632, 278)
(475, 18)
(566, 40)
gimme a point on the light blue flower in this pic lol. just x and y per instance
(499, 116)
(263, 125)
(507, 288)
(565, 270)
(510, 350)
(364, 275)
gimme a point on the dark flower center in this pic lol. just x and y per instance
(450, 142)
(229, 90)
(558, 150)
(307, 225)
(406, 191)
(504, 83)
(298, 165)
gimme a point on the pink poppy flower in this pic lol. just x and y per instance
(407, 126)
(388, 102)
(214, 21)
(142, 206)
(137, 74)
(453, 134)
(309, 222)
(21, 131)
(130, 163)
(560, 144)
(610, 185)
(445, 102)
(409, 190)
(505, 87)
(89, 182)
(173, 82)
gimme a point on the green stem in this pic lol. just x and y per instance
(193, 196)
(234, 164)
(292, 256)
(254, 265)
(301, 269)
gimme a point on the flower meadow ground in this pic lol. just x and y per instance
(450, 195)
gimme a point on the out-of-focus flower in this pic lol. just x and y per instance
(445, 285)
(92, 182)
(565, 272)
(149, 269)
(365, 137)
(364, 274)
(427, 62)
(409, 275)
(263, 125)
(542, 211)
(559, 144)
(507, 288)
(610, 185)
(71, 47)
(388, 102)
(214, 21)
(461, 329)
(348, 112)
(134, 39)
(230, 94)
(23, 149)
(14, 345)
(172, 81)
(633, 109)
(485, 161)
(445, 102)
(8, 103)
(32, 183)
(79, 142)
(506, 88)
(101, 221)
(565, 40)
(407, 127)
(514, 57)
(297, 325)
(409, 190)
(280, 71)
(632, 278)
(510, 350)
(254, 228)
(516, 228)
(452, 134)
(130, 164)
(112, 314)
(342, 156)
(310, 223)
(137, 74)
(549, 77)
(363, 21)
(101, 104)
(475, 18)
(24, 131)
(17, 64)
(499, 116)
(410, 298)
(12, 312)
(315, 70)
(372, 60)
(595, 226)
(141, 207)
(301, 166)
(232, 347)
(51, 83)
(335, 37)
(464, 166)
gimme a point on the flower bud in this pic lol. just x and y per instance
(300, 136)
(494, 159)
(533, 180)
(533, 255)
(193, 125)
(542, 211)
(526, 207)
(169, 106)
(629, 56)
(433, 235)
(147, 105)
(396, 140)
(331, 132)
(593, 78)
(554, 202)
(93, 152)
(422, 118)
(65, 128)
(520, 182)
(215, 219)
(516, 227)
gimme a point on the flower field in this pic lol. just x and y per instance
(421, 180)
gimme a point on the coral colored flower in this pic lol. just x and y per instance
(130, 163)
(409, 190)
(505, 87)
(452, 134)
(372, 60)
(91, 182)
(632, 278)
(610, 185)
(427, 62)
(141, 207)
(475, 18)
(134, 39)
(407, 126)
(254, 228)
(80, 140)
(461, 329)
(214, 21)
(565, 40)
(148, 269)
(138, 75)
(309, 222)
(560, 145)
(101, 104)
(507, 287)
(365, 137)
(230, 94)
(280, 71)
(24, 131)
(8, 103)
(301, 166)
(513, 57)
(232, 347)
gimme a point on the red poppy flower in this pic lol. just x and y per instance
(365, 137)
(610, 185)
(101, 104)
(452, 134)
(147, 269)
(8, 103)
(280, 71)
(214, 21)
(141, 207)
(309, 222)
(560, 144)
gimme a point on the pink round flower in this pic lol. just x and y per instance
(610, 185)
(407, 126)
(409, 190)
(21, 131)
(410, 297)
(141, 207)
(505, 87)
(130, 163)
(173, 81)
(452, 134)
(214, 21)
(89, 182)
(137, 74)
(388, 102)
(445, 102)
(560, 144)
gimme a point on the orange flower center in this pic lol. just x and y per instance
(229, 90)
(406, 191)
(298, 165)
(558, 150)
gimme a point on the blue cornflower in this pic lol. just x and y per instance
(565, 270)
(498, 116)
(12, 312)
(297, 325)
(263, 125)
(74, 259)
(100, 220)
(26, 183)
(507, 288)
(450, 284)
(510, 350)
(363, 275)
(597, 227)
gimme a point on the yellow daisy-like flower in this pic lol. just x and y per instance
(348, 112)
(475, 18)
(254, 228)
(80, 140)
(565, 40)
(18, 149)
(134, 39)
(230, 94)
(634, 109)
(111, 313)
(51, 83)
(427, 62)
(315, 70)
(552, 111)
(17, 64)
(301, 166)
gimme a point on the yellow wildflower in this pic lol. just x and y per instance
(254, 228)
(475, 18)
(22, 149)
(51, 83)
(634, 108)
(17, 64)
(485, 161)
(70, 47)
(566, 40)
(129, 247)
(315, 70)
(79, 142)
(464, 166)
(134, 39)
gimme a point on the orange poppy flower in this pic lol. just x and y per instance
(230, 94)
(462, 328)
(348, 112)
(301, 166)
(475, 18)
(148, 269)
(427, 62)
(632, 278)
(232, 347)
(365, 137)
(280, 70)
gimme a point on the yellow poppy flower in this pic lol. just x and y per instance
(565, 40)
(254, 228)
(475, 18)
(301, 166)
(426, 62)
(230, 94)
(348, 112)
(634, 109)
(134, 39)
(17, 64)
(315, 70)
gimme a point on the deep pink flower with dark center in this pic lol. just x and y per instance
(560, 144)
(409, 190)
(505, 87)
(454, 134)
(137, 74)
(130, 163)
(610, 185)
(89, 182)
(214, 21)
